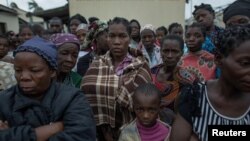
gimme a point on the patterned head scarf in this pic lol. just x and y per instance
(239, 7)
(148, 26)
(62, 38)
(94, 30)
(42, 47)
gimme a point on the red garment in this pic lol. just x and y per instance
(169, 89)
(157, 42)
(201, 64)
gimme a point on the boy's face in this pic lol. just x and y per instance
(3, 47)
(146, 108)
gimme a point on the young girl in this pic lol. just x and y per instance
(197, 61)
(225, 101)
(146, 126)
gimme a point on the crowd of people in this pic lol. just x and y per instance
(120, 81)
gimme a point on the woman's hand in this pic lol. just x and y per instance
(44, 132)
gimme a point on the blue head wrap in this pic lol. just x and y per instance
(42, 47)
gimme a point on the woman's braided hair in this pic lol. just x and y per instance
(232, 37)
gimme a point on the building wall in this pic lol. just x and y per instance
(156, 12)
(10, 20)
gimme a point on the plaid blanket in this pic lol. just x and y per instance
(108, 93)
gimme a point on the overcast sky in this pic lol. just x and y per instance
(48, 4)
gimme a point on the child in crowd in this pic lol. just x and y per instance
(160, 33)
(177, 29)
(81, 33)
(146, 126)
(198, 62)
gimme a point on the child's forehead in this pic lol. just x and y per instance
(159, 30)
(194, 29)
(146, 97)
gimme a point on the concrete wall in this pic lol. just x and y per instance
(10, 20)
(156, 12)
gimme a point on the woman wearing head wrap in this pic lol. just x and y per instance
(237, 13)
(81, 33)
(38, 108)
(96, 41)
(68, 47)
(148, 47)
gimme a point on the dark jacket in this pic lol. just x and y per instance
(60, 103)
(84, 62)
